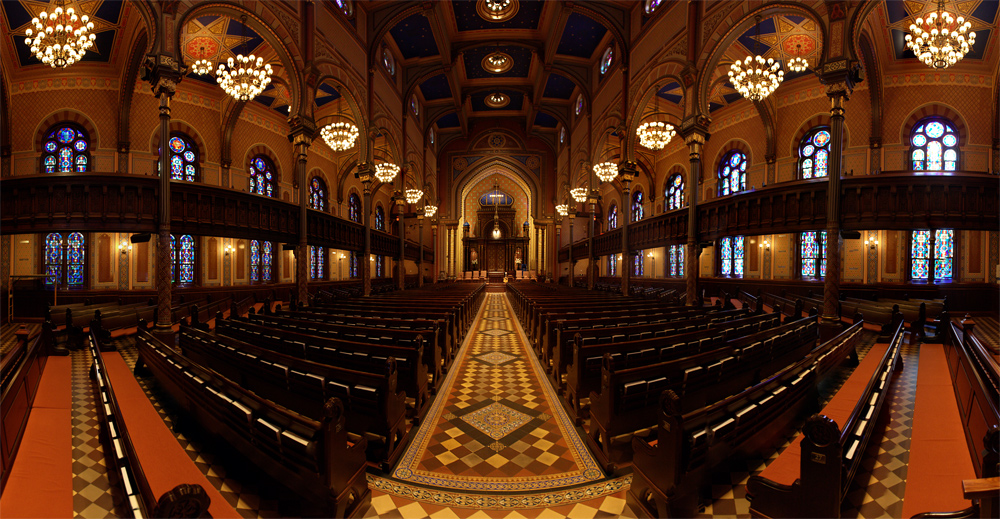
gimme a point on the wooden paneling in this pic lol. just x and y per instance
(104, 259)
(142, 262)
(891, 252)
(975, 252)
(213, 258)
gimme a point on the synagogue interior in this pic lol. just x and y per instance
(500, 259)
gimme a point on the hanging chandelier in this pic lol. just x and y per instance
(497, 62)
(340, 135)
(606, 171)
(579, 194)
(244, 77)
(430, 210)
(61, 38)
(755, 78)
(562, 209)
(940, 40)
(412, 195)
(798, 63)
(201, 67)
(387, 171)
(655, 135)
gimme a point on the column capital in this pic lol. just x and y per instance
(628, 169)
(840, 77)
(163, 72)
(303, 130)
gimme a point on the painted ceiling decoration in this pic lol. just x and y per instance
(782, 37)
(414, 37)
(898, 15)
(724, 94)
(671, 92)
(468, 19)
(108, 16)
(325, 94)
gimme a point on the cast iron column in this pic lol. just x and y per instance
(401, 265)
(420, 248)
(591, 268)
(572, 266)
(627, 172)
(695, 140)
(366, 172)
(301, 138)
(164, 88)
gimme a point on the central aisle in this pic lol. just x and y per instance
(496, 435)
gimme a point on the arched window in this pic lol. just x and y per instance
(388, 61)
(346, 6)
(731, 254)
(317, 194)
(651, 6)
(182, 259)
(354, 208)
(579, 104)
(260, 261)
(732, 173)
(562, 135)
(675, 192)
(607, 59)
(613, 265)
(65, 260)
(613, 217)
(354, 264)
(934, 145)
(183, 158)
(415, 105)
(317, 262)
(431, 135)
(638, 263)
(922, 256)
(66, 150)
(637, 201)
(379, 218)
(814, 153)
(677, 261)
(262, 176)
(812, 245)
(379, 267)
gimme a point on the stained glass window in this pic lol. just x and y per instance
(944, 253)
(317, 262)
(75, 256)
(675, 192)
(732, 173)
(265, 262)
(812, 246)
(388, 62)
(379, 267)
(262, 176)
(814, 153)
(579, 104)
(354, 208)
(53, 258)
(66, 150)
(354, 264)
(317, 194)
(920, 253)
(414, 105)
(260, 261)
(613, 217)
(379, 218)
(732, 256)
(607, 59)
(677, 261)
(185, 259)
(637, 212)
(651, 5)
(934, 145)
(254, 260)
(183, 158)
(638, 264)
(613, 265)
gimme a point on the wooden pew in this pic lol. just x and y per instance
(628, 395)
(674, 464)
(312, 458)
(812, 476)
(783, 305)
(189, 500)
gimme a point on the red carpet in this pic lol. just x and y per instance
(164, 461)
(939, 454)
(41, 481)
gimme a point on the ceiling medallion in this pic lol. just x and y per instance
(497, 63)
(497, 100)
(496, 10)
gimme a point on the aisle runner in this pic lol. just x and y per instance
(497, 425)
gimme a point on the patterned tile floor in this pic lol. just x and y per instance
(493, 375)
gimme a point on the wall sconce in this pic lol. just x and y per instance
(872, 243)
(124, 247)
(228, 249)
(371, 258)
(766, 245)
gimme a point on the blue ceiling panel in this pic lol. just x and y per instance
(545, 120)
(473, 59)
(977, 50)
(204, 78)
(671, 92)
(749, 38)
(899, 48)
(896, 11)
(713, 107)
(109, 11)
(16, 15)
(581, 36)
(559, 87)
(516, 101)
(732, 98)
(449, 121)
(103, 45)
(795, 19)
(414, 37)
(326, 94)
(467, 19)
(987, 12)
(436, 88)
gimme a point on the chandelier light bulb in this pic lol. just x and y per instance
(940, 41)
(413, 195)
(562, 209)
(606, 171)
(430, 210)
(386, 172)
(340, 135)
(60, 39)
(755, 81)
(655, 135)
(579, 194)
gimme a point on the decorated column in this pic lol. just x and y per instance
(695, 133)
(420, 247)
(164, 77)
(365, 173)
(301, 138)
(627, 172)
(401, 262)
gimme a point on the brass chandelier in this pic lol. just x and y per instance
(412, 195)
(940, 40)
(244, 77)
(606, 171)
(386, 172)
(756, 78)
(579, 194)
(61, 38)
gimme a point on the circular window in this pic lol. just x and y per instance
(388, 62)
(414, 106)
(579, 104)
(607, 59)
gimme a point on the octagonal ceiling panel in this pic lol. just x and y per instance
(414, 37)
(467, 19)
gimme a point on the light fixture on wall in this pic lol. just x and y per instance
(229, 249)
(124, 247)
(61, 37)
(385, 172)
(606, 171)
(871, 242)
(940, 40)
(766, 245)
(755, 78)
(244, 77)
